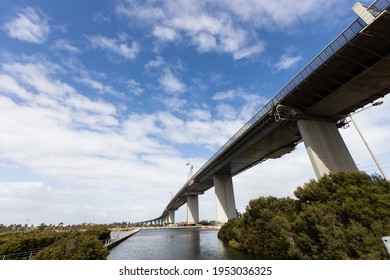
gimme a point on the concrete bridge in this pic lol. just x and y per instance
(351, 72)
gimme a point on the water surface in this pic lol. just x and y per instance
(175, 244)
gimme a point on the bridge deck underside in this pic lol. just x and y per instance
(357, 75)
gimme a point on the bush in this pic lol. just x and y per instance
(16, 242)
(75, 246)
(66, 245)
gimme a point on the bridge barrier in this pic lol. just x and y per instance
(112, 242)
(26, 255)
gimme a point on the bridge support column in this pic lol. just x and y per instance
(171, 218)
(326, 148)
(224, 193)
(193, 208)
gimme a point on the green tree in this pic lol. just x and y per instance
(341, 216)
(265, 227)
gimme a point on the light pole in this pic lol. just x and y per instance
(365, 142)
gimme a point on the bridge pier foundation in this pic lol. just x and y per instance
(325, 147)
(171, 217)
(224, 193)
(193, 208)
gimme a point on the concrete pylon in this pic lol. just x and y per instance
(224, 193)
(325, 147)
(193, 209)
(171, 217)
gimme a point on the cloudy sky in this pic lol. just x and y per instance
(103, 103)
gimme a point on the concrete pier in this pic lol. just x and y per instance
(224, 193)
(193, 209)
(325, 147)
(171, 218)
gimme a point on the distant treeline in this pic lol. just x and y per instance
(62, 226)
(56, 245)
(340, 216)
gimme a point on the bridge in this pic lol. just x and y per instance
(351, 72)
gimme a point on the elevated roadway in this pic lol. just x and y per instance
(351, 72)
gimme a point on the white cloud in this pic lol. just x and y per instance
(249, 51)
(287, 61)
(226, 95)
(118, 47)
(194, 131)
(226, 111)
(36, 83)
(282, 14)
(249, 104)
(32, 196)
(30, 25)
(97, 81)
(199, 114)
(37, 75)
(99, 86)
(135, 87)
(205, 42)
(208, 28)
(174, 103)
(164, 33)
(59, 135)
(9, 85)
(226, 26)
(156, 63)
(92, 83)
(171, 83)
(101, 18)
(65, 45)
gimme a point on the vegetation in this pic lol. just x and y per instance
(341, 216)
(75, 245)
(57, 245)
(61, 226)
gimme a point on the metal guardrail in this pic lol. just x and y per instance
(27, 255)
(119, 238)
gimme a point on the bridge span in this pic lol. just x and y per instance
(351, 72)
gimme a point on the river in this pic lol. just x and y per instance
(175, 244)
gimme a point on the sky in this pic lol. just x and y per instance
(103, 103)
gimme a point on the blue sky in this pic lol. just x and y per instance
(102, 103)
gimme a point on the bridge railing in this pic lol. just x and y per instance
(336, 45)
(26, 255)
